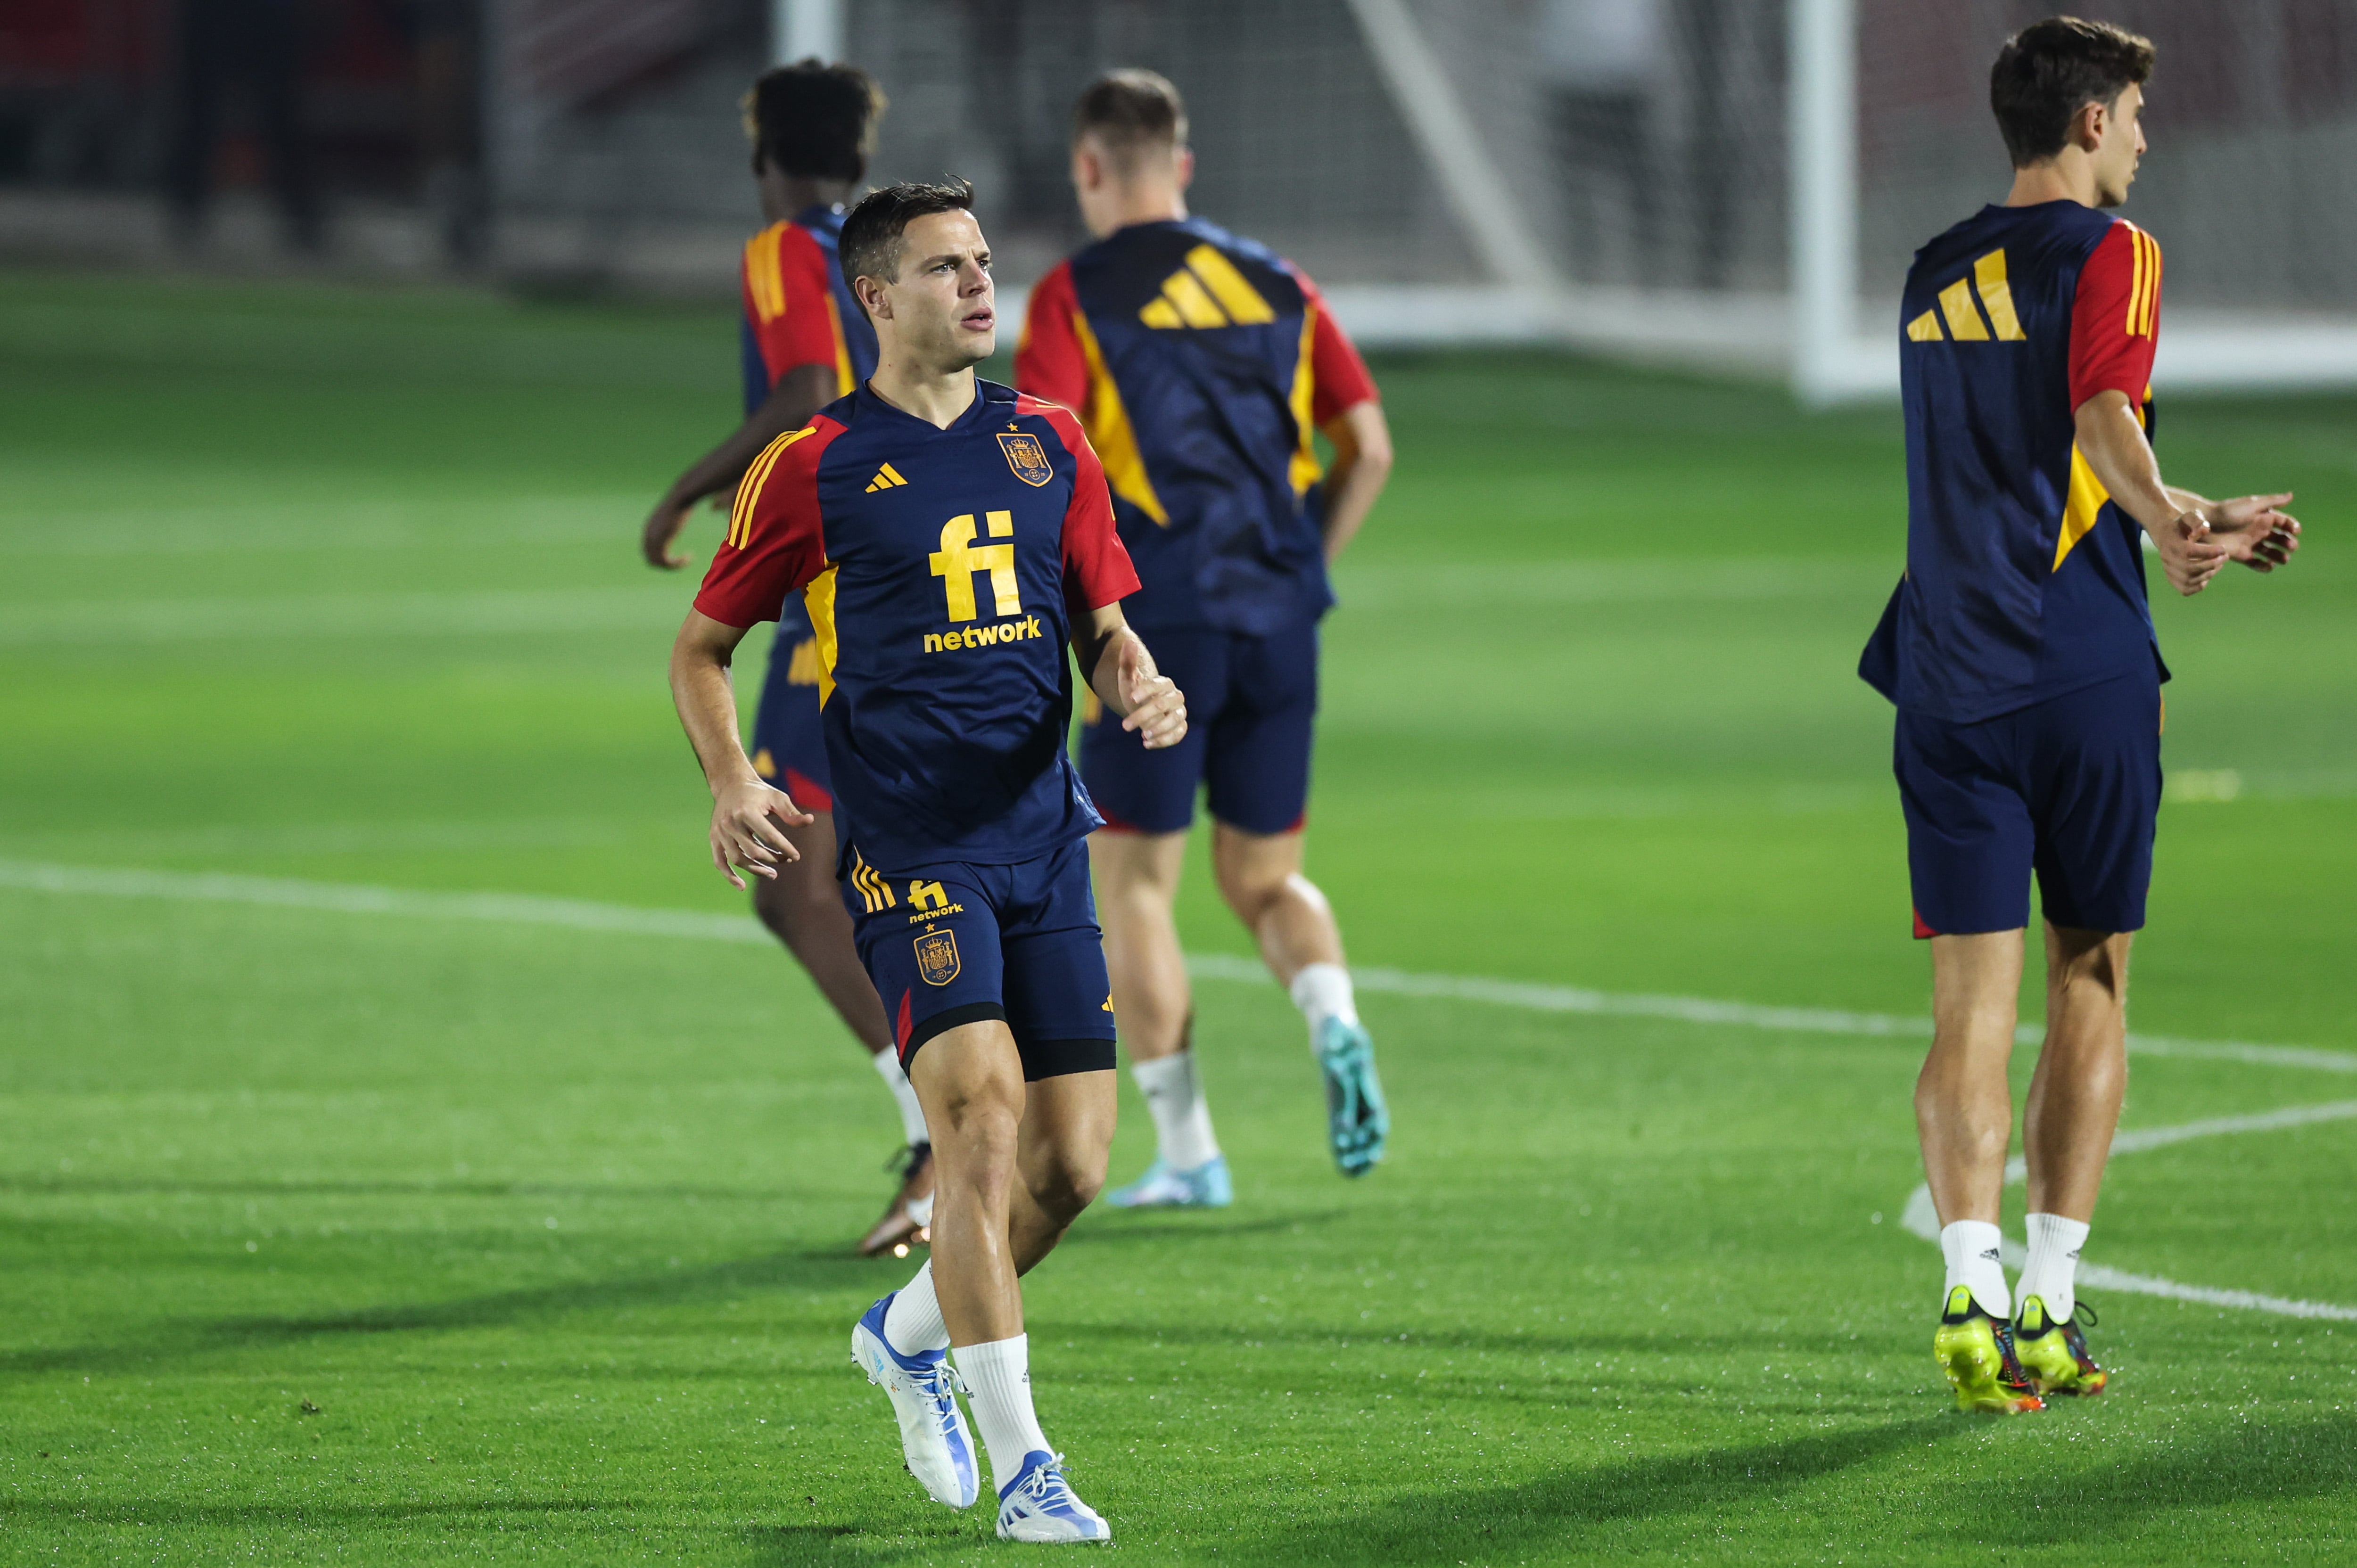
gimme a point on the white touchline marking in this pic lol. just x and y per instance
(1922, 1218)
(528, 908)
(532, 908)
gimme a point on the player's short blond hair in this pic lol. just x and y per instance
(1131, 113)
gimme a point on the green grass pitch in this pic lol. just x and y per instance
(396, 1237)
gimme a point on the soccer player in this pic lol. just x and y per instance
(1202, 365)
(2020, 651)
(805, 344)
(951, 538)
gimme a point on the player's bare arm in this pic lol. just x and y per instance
(1362, 466)
(746, 808)
(2194, 535)
(799, 393)
(1122, 675)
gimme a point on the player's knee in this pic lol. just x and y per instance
(1066, 1182)
(797, 914)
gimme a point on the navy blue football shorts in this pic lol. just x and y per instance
(789, 747)
(2068, 788)
(949, 944)
(1250, 704)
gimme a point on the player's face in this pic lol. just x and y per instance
(2122, 146)
(941, 310)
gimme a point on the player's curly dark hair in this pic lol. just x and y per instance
(2050, 69)
(870, 244)
(814, 120)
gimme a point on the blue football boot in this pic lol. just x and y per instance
(1205, 1186)
(1038, 1506)
(923, 1389)
(1356, 1119)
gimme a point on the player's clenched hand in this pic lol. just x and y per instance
(1157, 708)
(2187, 555)
(744, 820)
(663, 526)
(2252, 531)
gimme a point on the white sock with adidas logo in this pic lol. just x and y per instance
(1972, 1250)
(2051, 1270)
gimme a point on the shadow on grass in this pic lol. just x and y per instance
(1742, 1494)
(174, 1341)
(159, 1513)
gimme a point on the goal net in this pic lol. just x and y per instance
(1729, 183)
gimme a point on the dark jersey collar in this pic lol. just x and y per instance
(992, 402)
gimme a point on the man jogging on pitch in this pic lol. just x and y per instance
(2020, 651)
(953, 539)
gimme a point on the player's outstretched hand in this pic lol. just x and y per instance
(2254, 530)
(744, 833)
(1157, 708)
(2188, 553)
(661, 528)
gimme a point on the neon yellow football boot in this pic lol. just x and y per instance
(2055, 1354)
(1977, 1352)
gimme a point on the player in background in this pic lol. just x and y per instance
(2020, 651)
(805, 344)
(952, 538)
(1202, 365)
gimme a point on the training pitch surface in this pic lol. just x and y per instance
(352, 1214)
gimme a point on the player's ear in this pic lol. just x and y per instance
(872, 298)
(1183, 166)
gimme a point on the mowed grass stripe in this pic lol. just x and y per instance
(529, 909)
(520, 611)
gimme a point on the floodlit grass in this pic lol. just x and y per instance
(392, 1239)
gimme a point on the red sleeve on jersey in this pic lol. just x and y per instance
(1097, 569)
(1338, 377)
(775, 542)
(1049, 362)
(788, 301)
(2115, 316)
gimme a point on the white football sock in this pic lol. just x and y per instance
(1322, 991)
(1182, 1117)
(912, 1323)
(912, 1115)
(998, 1389)
(1970, 1248)
(2051, 1272)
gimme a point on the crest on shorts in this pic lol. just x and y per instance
(937, 958)
(1027, 459)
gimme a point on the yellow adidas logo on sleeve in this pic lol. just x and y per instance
(886, 477)
(1206, 292)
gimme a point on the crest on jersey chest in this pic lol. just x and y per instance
(937, 957)
(1026, 458)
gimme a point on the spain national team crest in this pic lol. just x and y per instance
(1027, 459)
(937, 958)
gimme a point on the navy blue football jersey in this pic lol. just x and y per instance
(1202, 365)
(798, 309)
(943, 570)
(2024, 579)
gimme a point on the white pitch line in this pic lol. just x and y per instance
(529, 909)
(525, 908)
(1922, 1218)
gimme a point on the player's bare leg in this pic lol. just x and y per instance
(1136, 878)
(1018, 1162)
(1963, 1112)
(1260, 877)
(2067, 1127)
(802, 907)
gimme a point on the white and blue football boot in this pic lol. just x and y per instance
(923, 1390)
(1038, 1506)
(1205, 1186)
(1357, 1122)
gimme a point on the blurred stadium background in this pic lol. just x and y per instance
(1732, 183)
(411, 1152)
